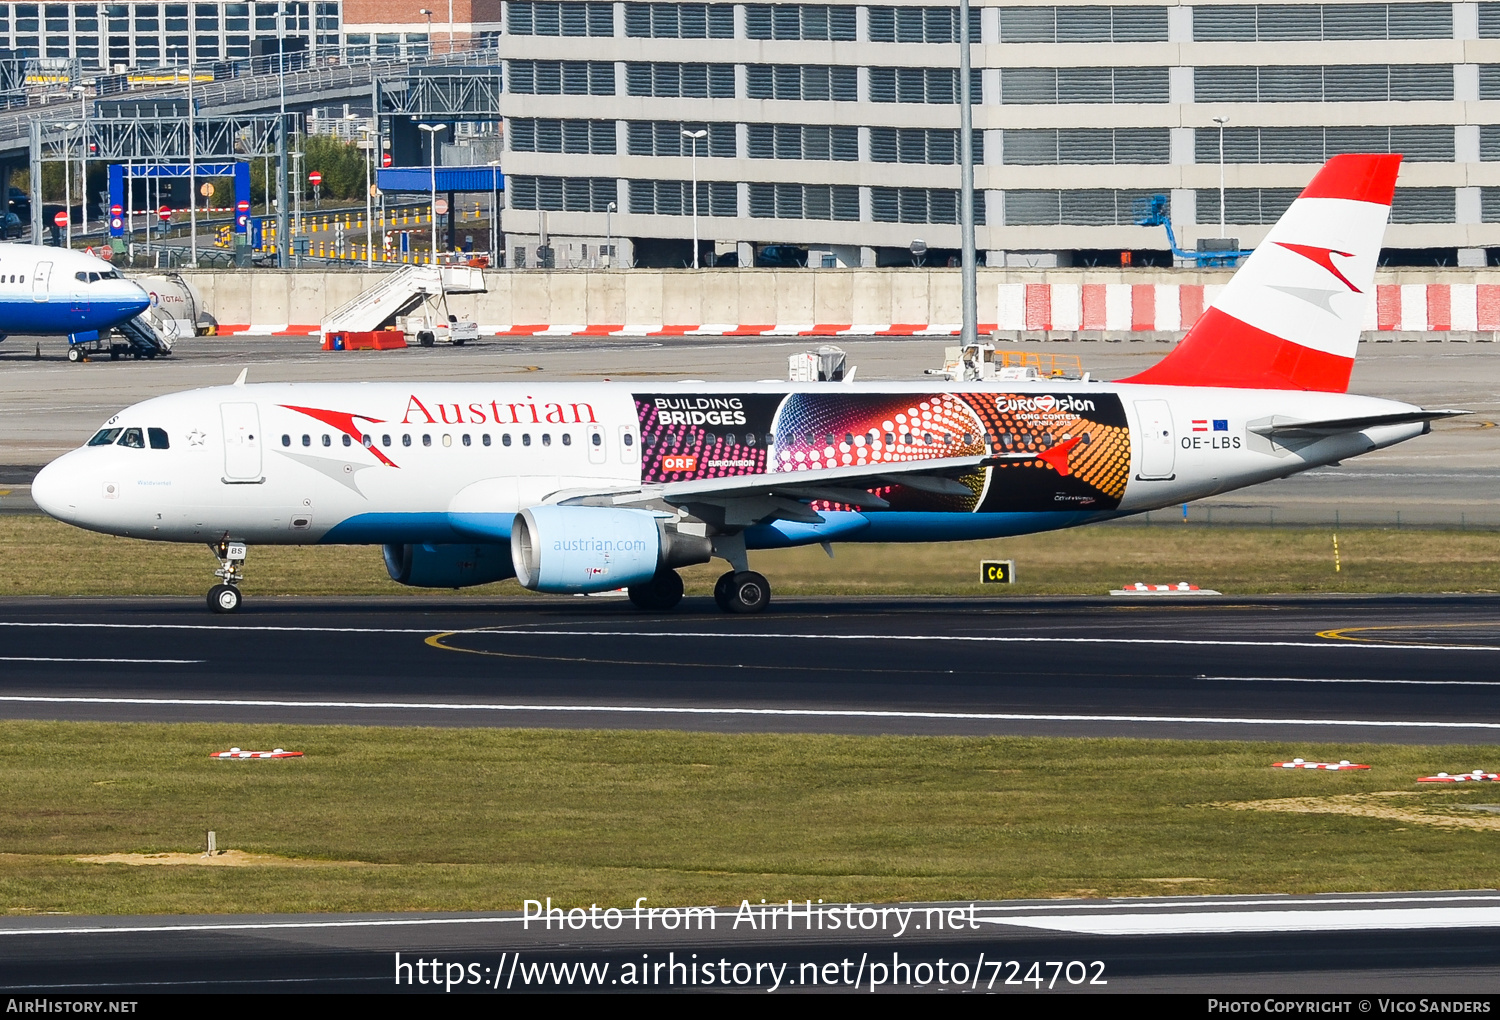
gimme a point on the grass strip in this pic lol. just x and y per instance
(480, 819)
(40, 556)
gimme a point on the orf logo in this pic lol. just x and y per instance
(679, 463)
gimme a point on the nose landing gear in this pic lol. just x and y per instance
(225, 597)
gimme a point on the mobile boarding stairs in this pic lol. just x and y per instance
(404, 292)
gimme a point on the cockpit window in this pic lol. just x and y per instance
(81, 277)
(133, 439)
(158, 438)
(105, 437)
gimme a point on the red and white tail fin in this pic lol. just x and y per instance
(1289, 319)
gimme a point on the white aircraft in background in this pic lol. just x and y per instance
(584, 487)
(60, 292)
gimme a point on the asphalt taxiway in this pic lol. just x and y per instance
(1393, 669)
(1439, 944)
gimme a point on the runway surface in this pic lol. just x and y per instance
(1392, 669)
(1439, 944)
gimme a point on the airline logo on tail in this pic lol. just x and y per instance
(1290, 318)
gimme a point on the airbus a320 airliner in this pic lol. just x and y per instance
(586, 487)
(60, 292)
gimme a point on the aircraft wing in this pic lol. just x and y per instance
(743, 500)
(1337, 426)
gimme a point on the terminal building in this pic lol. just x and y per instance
(828, 132)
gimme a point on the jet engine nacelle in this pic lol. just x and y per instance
(447, 566)
(571, 549)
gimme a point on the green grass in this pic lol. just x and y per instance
(39, 556)
(456, 819)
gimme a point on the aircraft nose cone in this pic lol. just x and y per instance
(54, 491)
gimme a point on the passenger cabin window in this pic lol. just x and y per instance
(505, 439)
(158, 438)
(133, 439)
(286, 440)
(105, 437)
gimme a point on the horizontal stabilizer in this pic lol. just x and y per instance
(1339, 426)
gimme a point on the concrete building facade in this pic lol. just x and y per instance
(832, 127)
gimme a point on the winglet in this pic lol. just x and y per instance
(244, 372)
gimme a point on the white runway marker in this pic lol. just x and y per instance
(1329, 680)
(1119, 918)
(1231, 921)
(739, 636)
(50, 658)
(792, 713)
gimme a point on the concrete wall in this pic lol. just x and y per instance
(848, 297)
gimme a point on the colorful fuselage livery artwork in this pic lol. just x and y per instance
(726, 435)
(590, 486)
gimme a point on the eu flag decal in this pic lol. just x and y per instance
(1221, 424)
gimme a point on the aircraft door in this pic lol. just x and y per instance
(629, 452)
(1158, 444)
(593, 438)
(241, 442)
(41, 281)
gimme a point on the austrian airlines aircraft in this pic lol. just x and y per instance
(584, 487)
(57, 291)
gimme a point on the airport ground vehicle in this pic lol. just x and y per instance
(581, 487)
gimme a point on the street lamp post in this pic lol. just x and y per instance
(694, 136)
(609, 232)
(83, 154)
(68, 190)
(428, 15)
(192, 167)
(450, 28)
(368, 144)
(970, 308)
(432, 130)
(1221, 121)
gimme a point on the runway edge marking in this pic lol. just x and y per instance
(815, 713)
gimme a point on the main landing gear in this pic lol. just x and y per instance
(225, 597)
(660, 594)
(742, 591)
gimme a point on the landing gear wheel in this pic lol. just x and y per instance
(744, 592)
(660, 594)
(721, 591)
(224, 598)
(74, 354)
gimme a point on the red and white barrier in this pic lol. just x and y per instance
(1169, 307)
(1054, 307)
(234, 753)
(1327, 766)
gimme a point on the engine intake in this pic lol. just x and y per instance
(447, 566)
(572, 549)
